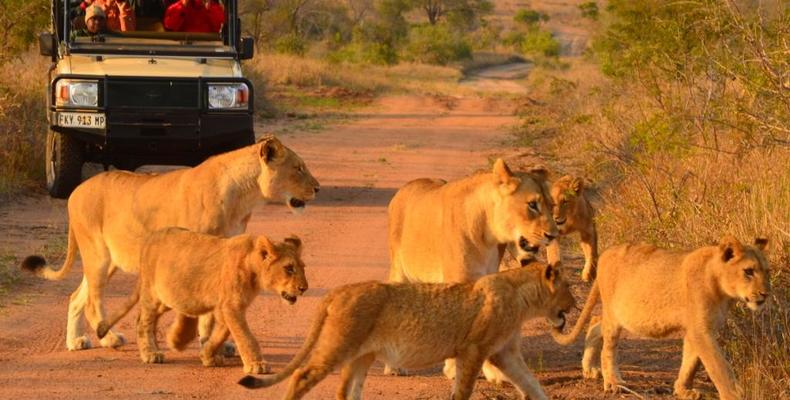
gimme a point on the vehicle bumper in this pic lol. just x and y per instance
(135, 138)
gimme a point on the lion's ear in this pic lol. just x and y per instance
(550, 274)
(270, 149)
(761, 243)
(577, 184)
(264, 246)
(502, 171)
(730, 247)
(296, 242)
(505, 176)
(539, 171)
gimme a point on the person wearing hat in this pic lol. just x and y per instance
(118, 14)
(195, 16)
(95, 20)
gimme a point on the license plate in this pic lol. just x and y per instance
(82, 120)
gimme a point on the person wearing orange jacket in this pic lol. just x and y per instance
(194, 16)
(119, 14)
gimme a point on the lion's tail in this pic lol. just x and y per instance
(105, 325)
(569, 338)
(38, 264)
(252, 382)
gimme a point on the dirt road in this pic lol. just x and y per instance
(360, 165)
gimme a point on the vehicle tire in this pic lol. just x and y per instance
(64, 158)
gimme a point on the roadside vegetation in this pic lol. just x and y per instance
(681, 117)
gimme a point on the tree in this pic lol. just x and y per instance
(461, 10)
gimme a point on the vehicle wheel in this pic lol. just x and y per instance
(64, 159)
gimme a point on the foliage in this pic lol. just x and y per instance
(20, 22)
(529, 17)
(290, 44)
(459, 13)
(436, 44)
(589, 10)
(23, 123)
(537, 42)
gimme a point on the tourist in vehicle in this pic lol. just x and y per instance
(195, 16)
(95, 22)
(119, 14)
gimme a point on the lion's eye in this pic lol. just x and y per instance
(749, 272)
(289, 269)
(300, 169)
(533, 205)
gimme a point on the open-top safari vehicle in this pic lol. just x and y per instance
(143, 96)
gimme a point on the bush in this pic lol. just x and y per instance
(538, 42)
(529, 17)
(589, 10)
(23, 122)
(436, 44)
(290, 44)
(20, 21)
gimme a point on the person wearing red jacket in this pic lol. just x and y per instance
(194, 16)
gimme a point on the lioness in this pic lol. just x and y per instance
(111, 213)
(415, 325)
(655, 292)
(573, 213)
(458, 231)
(196, 274)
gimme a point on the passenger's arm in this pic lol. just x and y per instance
(126, 15)
(175, 15)
(216, 14)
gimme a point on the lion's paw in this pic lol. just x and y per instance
(688, 394)
(214, 360)
(592, 373)
(612, 386)
(493, 375)
(449, 369)
(257, 367)
(78, 343)
(113, 340)
(156, 357)
(394, 371)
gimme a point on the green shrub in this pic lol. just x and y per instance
(529, 17)
(589, 10)
(436, 44)
(538, 42)
(290, 44)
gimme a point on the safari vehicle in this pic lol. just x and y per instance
(147, 96)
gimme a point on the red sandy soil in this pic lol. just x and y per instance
(360, 165)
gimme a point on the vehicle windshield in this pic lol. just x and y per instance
(149, 26)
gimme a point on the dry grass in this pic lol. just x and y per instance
(23, 122)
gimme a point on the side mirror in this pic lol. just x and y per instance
(246, 48)
(46, 44)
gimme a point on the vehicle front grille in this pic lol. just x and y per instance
(160, 93)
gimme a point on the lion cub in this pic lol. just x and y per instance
(415, 325)
(654, 292)
(197, 274)
(573, 213)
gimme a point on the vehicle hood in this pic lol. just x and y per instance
(181, 67)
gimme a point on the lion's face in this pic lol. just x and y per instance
(565, 194)
(281, 267)
(522, 211)
(284, 176)
(745, 271)
(560, 300)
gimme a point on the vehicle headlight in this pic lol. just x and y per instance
(228, 95)
(79, 93)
